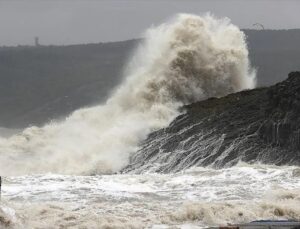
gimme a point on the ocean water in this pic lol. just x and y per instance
(196, 198)
(186, 59)
(47, 171)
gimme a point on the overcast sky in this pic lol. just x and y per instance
(85, 21)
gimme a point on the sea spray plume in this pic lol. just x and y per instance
(187, 59)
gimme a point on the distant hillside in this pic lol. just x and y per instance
(274, 53)
(38, 84)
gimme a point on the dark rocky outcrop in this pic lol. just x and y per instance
(253, 125)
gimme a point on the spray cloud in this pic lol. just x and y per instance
(187, 59)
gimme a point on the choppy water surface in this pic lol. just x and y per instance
(195, 198)
(187, 59)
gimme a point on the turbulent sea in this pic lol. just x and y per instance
(67, 174)
(195, 198)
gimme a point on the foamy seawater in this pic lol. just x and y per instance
(187, 59)
(195, 198)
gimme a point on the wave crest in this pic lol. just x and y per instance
(187, 59)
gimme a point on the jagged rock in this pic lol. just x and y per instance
(254, 125)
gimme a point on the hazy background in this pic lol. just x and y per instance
(85, 21)
(49, 81)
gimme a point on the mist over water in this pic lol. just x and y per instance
(187, 59)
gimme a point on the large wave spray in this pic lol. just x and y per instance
(187, 59)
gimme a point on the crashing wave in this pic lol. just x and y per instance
(187, 59)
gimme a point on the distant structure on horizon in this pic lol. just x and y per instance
(36, 41)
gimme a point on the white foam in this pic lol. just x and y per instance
(184, 60)
(197, 197)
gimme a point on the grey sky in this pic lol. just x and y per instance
(85, 21)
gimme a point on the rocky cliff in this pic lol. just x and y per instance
(260, 125)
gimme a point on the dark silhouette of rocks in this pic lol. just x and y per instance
(259, 125)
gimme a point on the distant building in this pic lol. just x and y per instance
(36, 41)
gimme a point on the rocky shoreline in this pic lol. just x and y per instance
(259, 125)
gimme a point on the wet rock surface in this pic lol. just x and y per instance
(259, 125)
